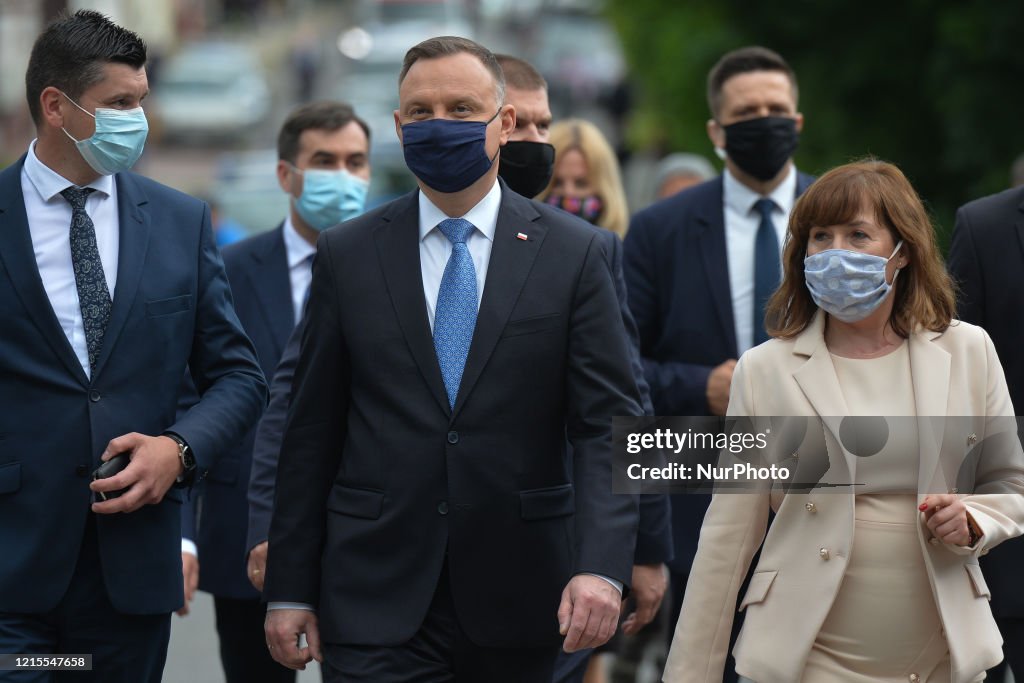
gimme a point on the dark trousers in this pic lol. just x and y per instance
(1013, 650)
(571, 667)
(125, 648)
(439, 652)
(243, 644)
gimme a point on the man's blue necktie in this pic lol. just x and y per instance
(766, 266)
(455, 314)
(93, 294)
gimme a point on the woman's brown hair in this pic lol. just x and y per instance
(925, 294)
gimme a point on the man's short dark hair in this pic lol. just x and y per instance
(741, 61)
(446, 46)
(71, 52)
(520, 74)
(329, 116)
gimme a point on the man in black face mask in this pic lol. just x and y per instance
(527, 161)
(429, 521)
(701, 265)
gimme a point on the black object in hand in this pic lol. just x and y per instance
(109, 469)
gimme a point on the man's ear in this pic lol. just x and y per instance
(508, 123)
(799, 122)
(398, 126)
(284, 176)
(51, 108)
(716, 134)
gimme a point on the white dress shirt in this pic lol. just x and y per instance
(300, 265)
(741, 223)
(49, 224)
(435, 248)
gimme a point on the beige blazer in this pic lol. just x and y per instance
(804, 555)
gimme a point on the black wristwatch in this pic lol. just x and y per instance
(187, 457)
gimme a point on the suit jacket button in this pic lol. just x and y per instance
(81, 470)
(453, 437)
(934, 541)
(825, 555)
(972, 439)
(442, 508)
(914, 678)
(810, 507)
(94, 396)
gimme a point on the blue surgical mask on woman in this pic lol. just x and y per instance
(330, 197)
(448, 155)
(850, 285)
(118, 141)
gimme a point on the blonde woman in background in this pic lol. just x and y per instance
(586, 182)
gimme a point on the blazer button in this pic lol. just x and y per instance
(972, 439)
(914, 678)
(94, 396)
(811, 507)
(823, 552)
(81, 470)
(934, 541)
(442, 508)
(453, 437)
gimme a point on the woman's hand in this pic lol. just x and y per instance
(947, 518)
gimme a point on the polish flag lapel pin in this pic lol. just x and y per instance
(521, 236)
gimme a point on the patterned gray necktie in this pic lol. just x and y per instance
(93, 295)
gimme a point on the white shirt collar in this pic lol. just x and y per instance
(484, 216)
(50, 184)
(295, 246)
(741, 198)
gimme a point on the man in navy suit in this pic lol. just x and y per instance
(323, 165)
(986, 257)
(110, 285)
(701, 264)
(426, 525)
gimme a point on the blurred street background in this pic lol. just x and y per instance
(932, 86)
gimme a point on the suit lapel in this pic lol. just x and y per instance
(929, 370)
(398, 251)
(710, 236)
(510, 264)
(18, 257)
(269, 277)
(133, 231)
(818, 381)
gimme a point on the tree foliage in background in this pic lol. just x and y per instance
(935, 86)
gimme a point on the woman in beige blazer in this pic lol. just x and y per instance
(879, 581)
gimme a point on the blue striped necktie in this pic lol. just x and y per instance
(766, 266)
(455, 313)
(93, 294)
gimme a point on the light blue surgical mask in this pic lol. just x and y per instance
(330, 197)
(118, 141)
(849, 285)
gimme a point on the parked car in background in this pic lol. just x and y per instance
(211, 90)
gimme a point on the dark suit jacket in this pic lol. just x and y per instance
(654, 535)
(380, 482)
(257, 269)
(986, 258)
(171, 307)
(677, 274)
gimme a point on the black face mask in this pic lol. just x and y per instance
(526, 167)
(761, 147)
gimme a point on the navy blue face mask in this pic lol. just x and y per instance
(448, 155)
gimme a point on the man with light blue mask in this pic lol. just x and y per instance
(111, 286)
(323, 165)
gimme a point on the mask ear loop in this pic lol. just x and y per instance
(898, 268)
